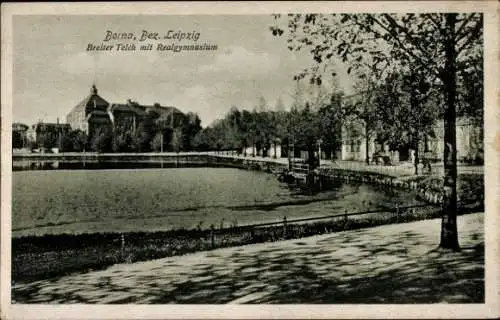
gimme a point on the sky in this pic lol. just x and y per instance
(53, 71)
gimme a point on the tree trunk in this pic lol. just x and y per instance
(367, 145)
(289, 154)
(449, 235)
(310, 156)
(417, 156)
(311, 161)
(414, 104)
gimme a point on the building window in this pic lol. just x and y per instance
(358, 146)
(353, 146)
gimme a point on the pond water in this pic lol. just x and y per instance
(154, 199)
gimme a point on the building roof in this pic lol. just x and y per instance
(19, 126)
(97, 113)
(164, 109)
(126, 108)
(93, 99)
(132, 106)
(48, 125)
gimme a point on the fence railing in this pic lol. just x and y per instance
(397, 210)
(299, 168)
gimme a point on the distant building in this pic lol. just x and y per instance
(468, 141)
(469, 137)
(47, 135)
(90, 113)
(19, 135)
(95, 112)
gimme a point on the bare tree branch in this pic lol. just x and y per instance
(435, 22)
(410, 37)
(458, 37)
(394, 35)
(474, 34)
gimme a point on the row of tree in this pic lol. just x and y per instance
(401, 111)
(302, 126)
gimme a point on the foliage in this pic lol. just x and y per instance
(66, 143)
(144, 132)
(17, 140)
(406, 112)
(157, 142)
(331, 118)
(101, 140)
(47, 139)
(191, 125)
(122, 140)
(177, 140)
(79, 140)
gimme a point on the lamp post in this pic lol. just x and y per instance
(276, 141)
(319, 151)
(161, 142)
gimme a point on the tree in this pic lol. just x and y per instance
(17, 139)
(101, 140)
(142, 136)
(421, 115)
(177, 140)
(122, 139)
(200, 141)
(234, 130)
(191, 125)
(280, 118)
(265, 131)
(470, 102)
(407, 113)
(47, 139)
(280, 106)
(263, 126)
(66, 142)
(79, 140)
(331, 116)
(307, 132)
(249, 121)
(444, 44)
(157, 142)
(363, 107)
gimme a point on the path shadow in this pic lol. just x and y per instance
(355, 267)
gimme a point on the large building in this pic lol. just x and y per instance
(95, 112)
(90, 113)
(19, 135)
(468, 142)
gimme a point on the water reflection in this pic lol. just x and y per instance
(26, 165)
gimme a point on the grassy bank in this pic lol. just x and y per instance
(57, 255)
(470, 187)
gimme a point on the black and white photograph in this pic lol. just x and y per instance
(318, 156)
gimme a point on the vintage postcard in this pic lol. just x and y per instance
(250, 160)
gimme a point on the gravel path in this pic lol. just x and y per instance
(387, 264)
